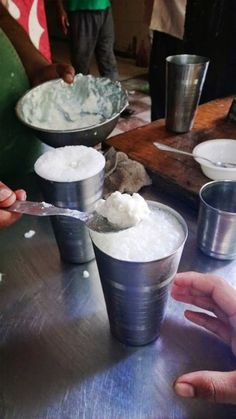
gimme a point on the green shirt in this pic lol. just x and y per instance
(18, 147)
(73, 5)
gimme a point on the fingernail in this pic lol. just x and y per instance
(4, 194)
(184, 390)
(69, 78)
(23, 194)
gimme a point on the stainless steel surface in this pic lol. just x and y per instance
(217, 219)
(72, 235)
(164, 147)
(88, 136)
(136, 293)
(93, 220)
(185, 76)
(58, 358)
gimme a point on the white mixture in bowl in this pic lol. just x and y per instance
(69, 163)
(157, 236)
(123, 210)
(56, 105)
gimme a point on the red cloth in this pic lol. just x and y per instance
(31, 15)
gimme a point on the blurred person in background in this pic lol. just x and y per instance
(200, 27)
(166, 21)
(90, 26)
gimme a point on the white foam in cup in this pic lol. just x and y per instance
(157, 236)
(69, 164)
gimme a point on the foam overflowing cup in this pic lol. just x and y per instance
(72, 177)
(136, 268)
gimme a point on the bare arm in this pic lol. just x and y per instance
(38, 69)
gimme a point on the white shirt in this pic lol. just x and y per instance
(168, 16)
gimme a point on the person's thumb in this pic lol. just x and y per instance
(218, 387)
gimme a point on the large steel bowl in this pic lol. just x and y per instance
(104, 89)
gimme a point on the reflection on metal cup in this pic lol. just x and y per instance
(136, 293)
(185, 76)
(72, 235)
(217, 219)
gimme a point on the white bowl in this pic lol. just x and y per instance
(223, 150)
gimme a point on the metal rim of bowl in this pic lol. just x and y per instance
(34, 127)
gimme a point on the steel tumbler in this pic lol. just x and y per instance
(216, 233)
(136, 293)
(185, 76)
(72, 235)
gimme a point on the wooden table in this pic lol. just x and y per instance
(179, 175)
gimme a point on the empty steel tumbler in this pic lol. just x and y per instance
(217, 219)
(185, 76)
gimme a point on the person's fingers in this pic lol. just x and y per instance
(211, 286)
(219, 387)
(8, 218)
(20, 194)
(195, 283)
(54, 71)
(200, 301)
(65, 24)
(7, 196)
(66, 72)
(214, 325)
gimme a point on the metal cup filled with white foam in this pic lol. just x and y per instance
(72, 177)
(136, 268)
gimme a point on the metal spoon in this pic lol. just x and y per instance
(93, 220)
(164, 147)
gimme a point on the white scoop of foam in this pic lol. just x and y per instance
(123, 210)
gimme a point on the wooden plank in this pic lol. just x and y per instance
(179, 175)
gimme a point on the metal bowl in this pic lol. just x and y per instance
(110, 97)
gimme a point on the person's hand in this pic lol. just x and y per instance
(64, 21)
(213, 294)
(7, 198)
(54, 71)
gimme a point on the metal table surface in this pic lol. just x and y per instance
(58, 358)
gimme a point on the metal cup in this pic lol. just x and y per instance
(72, 235)
(185, 76)
(136, 293)
(217, 219)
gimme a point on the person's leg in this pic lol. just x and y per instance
(104, 50)
(163, 45)
(83, 40)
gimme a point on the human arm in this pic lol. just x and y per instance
(37, 67)
(215, 295)
(7, 198)
(62, 17)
